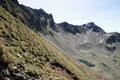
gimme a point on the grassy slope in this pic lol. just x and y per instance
(23, 49)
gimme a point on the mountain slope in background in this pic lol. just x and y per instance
(87, 44)
(90, 45)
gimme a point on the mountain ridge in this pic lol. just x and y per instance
(88, 26)
(40, 13)
(87, 43)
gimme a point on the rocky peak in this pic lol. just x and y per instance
(36, 19)
(64, 24)
(41, 12)
(80, 29)
(71, 28)
(52, 23)
(94, 27)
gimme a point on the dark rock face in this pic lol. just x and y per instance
(71, 28)
(94, 27)
(15, 1)
(36, 19)
(81, 29)
(110, 48)
(115, 37)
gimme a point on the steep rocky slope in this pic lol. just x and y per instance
(33, 18)
(87, 43)
(25, 55)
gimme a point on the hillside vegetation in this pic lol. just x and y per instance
(26, 55)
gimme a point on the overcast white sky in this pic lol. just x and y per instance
(105, 13)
